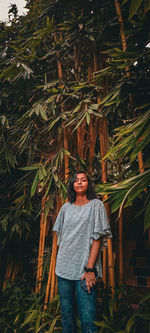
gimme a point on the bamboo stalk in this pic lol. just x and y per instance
(66, 147)
(111, 264)
(121, 261)
(105, 267)
(51, 283)
(53, 278)
(128, 74)
(79, 141)
(59, 67)
(41, 247)
(93, 137)
(124, 48)
(92, 126)
(140, 162)
(48, 283)
(103, 149)
(8, 273)
(121, 266)
(14, 273)
(76, 64)
(42, 250)
(86, 144)
(122, 32)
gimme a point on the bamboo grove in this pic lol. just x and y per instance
(74, 95)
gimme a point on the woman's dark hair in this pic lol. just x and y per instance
(90, 190)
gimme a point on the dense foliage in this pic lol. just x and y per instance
(63, 71)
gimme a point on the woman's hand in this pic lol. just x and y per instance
(90, 280)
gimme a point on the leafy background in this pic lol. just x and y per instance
(64, 74)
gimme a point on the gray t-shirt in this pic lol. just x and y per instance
(76, 227)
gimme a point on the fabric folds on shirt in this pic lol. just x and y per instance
(76, 227)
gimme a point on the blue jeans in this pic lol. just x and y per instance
(71, 292)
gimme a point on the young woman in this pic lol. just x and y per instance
(82, 228)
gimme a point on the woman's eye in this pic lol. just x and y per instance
(82, 180)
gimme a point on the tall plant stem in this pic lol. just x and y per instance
(41, 247)
(51, 288)
(121, 261)
(128, 74)
(59, 66)
(53, 276)
(66, 147)
(93, 137)
(93, 123)
(80, 133)
(48, 282)
(103, 137)
(8, 274)
(80, 138)
(122, 31)
(140, 157)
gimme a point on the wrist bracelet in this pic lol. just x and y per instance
(90, 269)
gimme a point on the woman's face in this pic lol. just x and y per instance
(80, 184)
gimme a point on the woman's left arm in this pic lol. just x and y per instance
(94, 252)
(90, 276)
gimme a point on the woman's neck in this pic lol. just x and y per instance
(81, 199)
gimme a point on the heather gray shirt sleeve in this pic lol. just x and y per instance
(101, 227)
(59, 223)
(76, 227)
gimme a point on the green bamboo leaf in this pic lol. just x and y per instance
(43, 113)
(66, 152)
(102, 324)
(48, 186)
(53, 324)
(48, 22)
(87, 118)
(40, 329)
(78, 107)
(109, 103)
(145, 298)
(31, 167)
(80, 121)
(97, 114)
(16, 319)
(30, 318)
(134, 6)
(53, 123)
(41, 176)
(124, 1)
(49, 205)
(19, 200)
(63, 187)
(140, 146)
(55, 177)
(94, 106)
(44, 171)
(134, 194)
(23, 138)
(144, 316)
(37, 323)
(34, 184)
(130, 324)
